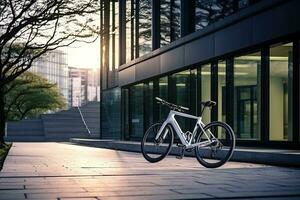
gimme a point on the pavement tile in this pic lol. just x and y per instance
(65, 171)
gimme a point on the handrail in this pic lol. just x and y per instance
(82, 118)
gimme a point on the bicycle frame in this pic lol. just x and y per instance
(187, 143)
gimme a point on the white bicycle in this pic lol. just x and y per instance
(213, 143)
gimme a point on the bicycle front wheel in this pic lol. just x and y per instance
(155, 150)
(221, 147)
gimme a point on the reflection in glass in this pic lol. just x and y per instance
(221, 91)
(116, 33)
(148, 87)
(175, 19)
(110, 113)
(137, 110)
(165, 22)
(247, 96)
(145, 25)
(163, 93)
(210, 11)
(281, 79)
(182, 81)
(130, 8)
(206, 89)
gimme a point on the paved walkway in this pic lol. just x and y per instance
(64, 172)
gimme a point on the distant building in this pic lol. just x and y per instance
(54, 67)
(84, 86)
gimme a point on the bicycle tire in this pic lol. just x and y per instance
(201, 157)
(163, 151)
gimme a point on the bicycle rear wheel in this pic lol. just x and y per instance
(220, 150)
(155, 150)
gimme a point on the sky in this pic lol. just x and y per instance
(84, 55)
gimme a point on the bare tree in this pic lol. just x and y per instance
(31, 28)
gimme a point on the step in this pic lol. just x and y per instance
(25, 133)
(25, 139)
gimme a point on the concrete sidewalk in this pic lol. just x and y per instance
(278, 157)
(61, 171)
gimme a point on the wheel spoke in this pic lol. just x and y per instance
(217, 152)
(153, 150)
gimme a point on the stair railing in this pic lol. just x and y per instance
(82, 118)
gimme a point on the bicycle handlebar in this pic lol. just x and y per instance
(171, 105)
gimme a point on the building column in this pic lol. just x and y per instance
(187, 17)
(265, 95)
(122, 31)
(155, 24)
(296, 90)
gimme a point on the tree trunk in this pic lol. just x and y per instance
(2, 116)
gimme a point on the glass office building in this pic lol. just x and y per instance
(243, 54)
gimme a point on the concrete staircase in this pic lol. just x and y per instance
(91, 114)
(30, 130)
(60, 126)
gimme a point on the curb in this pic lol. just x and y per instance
(285, 158)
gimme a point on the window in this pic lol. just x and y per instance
(116, 32)
(148, 95)
(281, 87)
(145, 25)
(205, 77)
(111, 113)
(137, 110)
(221, 91)
(163, 93)
(247, 96)
(210, 11)
(130, 30)
(169, 21)
(182, 95)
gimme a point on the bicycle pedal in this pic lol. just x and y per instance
(189, 150)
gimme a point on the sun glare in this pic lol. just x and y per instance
(84, 55)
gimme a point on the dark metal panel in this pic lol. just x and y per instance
(276, 22)
(122, 29)
(265, 94)
(214, 90)
(155, 24)
(187, 17)
(229, 91)
(172, 60)
(127, 76)
(199, 50)
(144, 69)
(233, 38)
(296, 90)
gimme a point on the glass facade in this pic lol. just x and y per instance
(189, 87)
(163, 93)
(243, 82)
(137, 110)
(182, 95)
(145, 25)
(169, 21)
(247, 96)
(211, 11)
(137, 21)
(110, 114)
(281, 88)
(206, 89)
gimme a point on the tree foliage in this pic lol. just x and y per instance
(31, 28)
(30, 95)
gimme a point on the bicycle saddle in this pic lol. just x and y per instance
(208, 103)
